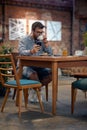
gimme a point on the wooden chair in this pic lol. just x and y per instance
(8, 70)
(80, 75)
(78, 84)
(15, 54)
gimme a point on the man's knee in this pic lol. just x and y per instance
(46, 79)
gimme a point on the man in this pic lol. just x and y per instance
(31, 45)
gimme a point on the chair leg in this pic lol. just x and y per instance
(46, 89)
(38, 95)
(19, 101)
(14, 94)
(5, 99)
(17, 97)
(73, 98)
(26, 97)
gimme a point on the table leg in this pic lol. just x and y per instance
(54, 86)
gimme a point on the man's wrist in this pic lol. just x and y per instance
(31, 51)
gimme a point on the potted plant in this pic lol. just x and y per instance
(85, 42)
(5, 49)
(85, 38)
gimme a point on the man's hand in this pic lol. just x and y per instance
(45, 42)
(35, 49)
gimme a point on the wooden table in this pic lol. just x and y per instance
(54, 63)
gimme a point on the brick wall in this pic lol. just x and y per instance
(40, 14)
(46, 14)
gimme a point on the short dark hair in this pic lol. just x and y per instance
(37, 24)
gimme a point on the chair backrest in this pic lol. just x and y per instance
(15, 54)
(8, 69)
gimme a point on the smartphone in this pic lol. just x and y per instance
(38, 42)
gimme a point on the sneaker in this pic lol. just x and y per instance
(33, 96)
(36, 98)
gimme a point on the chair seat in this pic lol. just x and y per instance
(23, 82)
(80, 84)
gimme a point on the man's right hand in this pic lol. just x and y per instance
(35, 49)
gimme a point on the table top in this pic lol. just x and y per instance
(54, 58)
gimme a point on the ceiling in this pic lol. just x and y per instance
(49, 2)
(52, 4)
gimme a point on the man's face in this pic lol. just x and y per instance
(37, 32)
